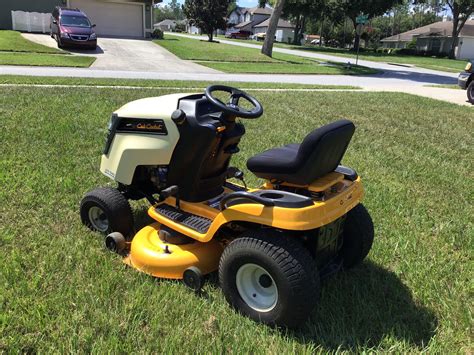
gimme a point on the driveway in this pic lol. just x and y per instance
(118, 54)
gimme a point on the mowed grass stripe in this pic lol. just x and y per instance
(61, 291)
(158, 87)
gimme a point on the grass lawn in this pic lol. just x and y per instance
(63, 292)
(234, 59)
(42, 59)
(447, 86)
(442, 64)
(17, 50)
(13, 41)
(26, 80)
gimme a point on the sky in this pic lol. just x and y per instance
(243, 3)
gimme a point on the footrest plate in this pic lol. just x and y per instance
(197, 223)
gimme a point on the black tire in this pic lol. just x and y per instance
(470, 92)
(289, 266)
(115, 242)
(113, 209)
(358, 236)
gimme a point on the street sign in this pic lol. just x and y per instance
(362, 19)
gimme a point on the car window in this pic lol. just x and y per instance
(75, 21)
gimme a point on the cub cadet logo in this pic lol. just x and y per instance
(153, 126)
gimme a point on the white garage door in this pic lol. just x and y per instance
(113, 18)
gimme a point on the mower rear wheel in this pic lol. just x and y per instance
(270, 278)
(358, 236)
(106, 210)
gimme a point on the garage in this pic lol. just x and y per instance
(123, 19)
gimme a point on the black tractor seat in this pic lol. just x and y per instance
(319, 154)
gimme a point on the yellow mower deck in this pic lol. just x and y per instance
(153, 256)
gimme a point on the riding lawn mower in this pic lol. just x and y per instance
(271, 245)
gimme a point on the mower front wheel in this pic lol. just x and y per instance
(106, 210)
(270, 278)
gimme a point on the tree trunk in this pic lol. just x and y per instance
(297, 29)
(357, 37)
(211, 36)
(267, 48)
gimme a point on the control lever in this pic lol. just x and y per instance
(235, 173)
(171, 191)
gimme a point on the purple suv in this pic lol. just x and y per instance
(71, 27)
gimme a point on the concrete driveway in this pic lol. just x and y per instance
(130, 55)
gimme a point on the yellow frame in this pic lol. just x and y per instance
(306, 218)
(153, 256)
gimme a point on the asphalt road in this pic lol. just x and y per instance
(140, 59)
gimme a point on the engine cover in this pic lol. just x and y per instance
(140, 133)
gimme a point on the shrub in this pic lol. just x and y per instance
(408, 51)
(157, 34)
(411, 44)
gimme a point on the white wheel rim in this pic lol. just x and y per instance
(98, 219)
(257, 287)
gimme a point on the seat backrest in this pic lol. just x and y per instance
(322, 151)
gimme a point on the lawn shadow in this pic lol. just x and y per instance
(140, 215)
(97, 50)
(361, 307)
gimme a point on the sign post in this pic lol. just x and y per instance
(361, 20)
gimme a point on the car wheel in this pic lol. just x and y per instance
(358, 236)
(106, 210)
(470, 92)
(270, 278)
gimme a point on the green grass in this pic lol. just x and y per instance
(232, 59)
(41, 59)
(445, 86)
(27, 80)
(13, 41)
(63, 292)
(17, 50)
(442, 64)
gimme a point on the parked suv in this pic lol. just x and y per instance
(71, 27)
(466, 81)
(237, 34)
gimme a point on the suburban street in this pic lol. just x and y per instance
(142, 59)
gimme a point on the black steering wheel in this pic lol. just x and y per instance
(232, 107)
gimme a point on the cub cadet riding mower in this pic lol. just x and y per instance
(270, 244)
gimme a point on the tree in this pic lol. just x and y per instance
(372, 8)
(208, 15)
(461, 10)
(299, 12)
(267, 48)
(172, 11)
(176, 10)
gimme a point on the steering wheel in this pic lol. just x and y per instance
(232, 107)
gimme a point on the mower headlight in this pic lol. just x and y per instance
(64, 35)
(93, 36)
(468, 66)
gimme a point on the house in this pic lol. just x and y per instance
(436, 38)
(165, 25)
(285, 30)
(256, 19)
(244, 19)
(122, 18)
